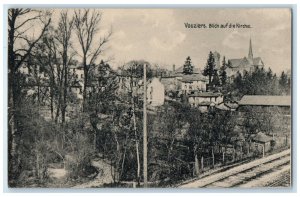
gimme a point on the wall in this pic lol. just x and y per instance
(194, 85)
(155, 93)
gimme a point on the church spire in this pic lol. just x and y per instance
(250, 54)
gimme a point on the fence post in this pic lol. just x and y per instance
(196, 165)
(233, 154)
(202, 165)
(213, 158)
(223, 158)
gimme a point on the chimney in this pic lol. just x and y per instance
(174, 67)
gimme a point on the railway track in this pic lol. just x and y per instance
(252, 174)
(282, 181)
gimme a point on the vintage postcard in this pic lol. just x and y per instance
(149, 98)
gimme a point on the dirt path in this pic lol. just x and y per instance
(103, 177)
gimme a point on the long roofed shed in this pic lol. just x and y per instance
(264, 100)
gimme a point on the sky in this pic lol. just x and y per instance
(159, 36)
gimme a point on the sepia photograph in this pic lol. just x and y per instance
(149, 98)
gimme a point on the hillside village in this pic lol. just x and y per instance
(79, 123)
(173, 80)
(170, 84)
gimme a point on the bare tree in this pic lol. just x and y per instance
(45, 54)
(54, 52)
(19, 22)
(87, 28)
(63, 36)
(134, 71)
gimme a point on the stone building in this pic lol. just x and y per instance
(244, 64)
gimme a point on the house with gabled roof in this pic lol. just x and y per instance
(185, 83)
(204, 100)
(193, 82)
(261, 140)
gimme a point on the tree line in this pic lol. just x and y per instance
(261, 82)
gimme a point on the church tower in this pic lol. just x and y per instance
(250, 54)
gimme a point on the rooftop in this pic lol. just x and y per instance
(244, 62)
(206, 94)
(261, 137)
(193, 77)
(265, 100)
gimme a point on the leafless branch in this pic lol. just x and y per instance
(26, 21)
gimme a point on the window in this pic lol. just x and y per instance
(81, 76)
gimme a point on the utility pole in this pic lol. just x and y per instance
(145, 129)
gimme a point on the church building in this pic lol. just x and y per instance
(244, 64)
